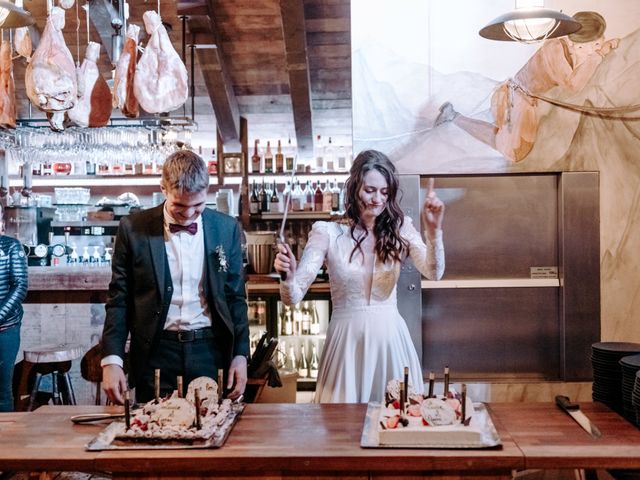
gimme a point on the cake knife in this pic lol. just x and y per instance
(573, 409)
(287, 203)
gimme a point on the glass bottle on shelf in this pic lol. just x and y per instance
(341, 159)
(262, 198)
(297, 319)
(335, 196)
(314, 363)
(309, 201)
(287, 192)
(287, 323)
(290, 359)
(289, 157)
(329, 157)
(275, 199)
(268, 159)
(212, 164)
(318, 199)
(303, 363)
(314, 328)
(254, 203)
(327, 197)
(279, 159)
(305, 326)
(255, 158)
(298, 198)
(319, 155)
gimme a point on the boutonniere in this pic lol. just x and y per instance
(222, 259)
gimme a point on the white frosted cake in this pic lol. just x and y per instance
(428, 422)
(174, 418)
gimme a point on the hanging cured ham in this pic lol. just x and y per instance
(50, 78)
(161, 82)
(22, 42)
(7, 88)
(123, 96)
(93, 108)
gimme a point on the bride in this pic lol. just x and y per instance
(368, 342)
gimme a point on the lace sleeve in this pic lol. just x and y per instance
(429, 258)
(293, 290)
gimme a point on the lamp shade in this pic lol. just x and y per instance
(14, 17)
(530, 25)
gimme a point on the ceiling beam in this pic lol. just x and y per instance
(216, 77)
(297, 64)
(192, 7)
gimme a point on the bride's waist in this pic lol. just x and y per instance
(351, 307)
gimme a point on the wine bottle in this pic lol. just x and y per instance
(255, 158)
(306, 319)
(314, 329)
(263, 199)
(289, 158)
(268, 159)
(254, 203)
(314, 364)
(290, 360)
(275, 199)
(327, 197)
(279, 159)
(303, 363)
(317, 198)
(288, 321)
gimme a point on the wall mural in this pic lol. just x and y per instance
(440, 99)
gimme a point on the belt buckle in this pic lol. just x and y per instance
(186, 336)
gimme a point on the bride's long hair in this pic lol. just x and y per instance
(389, 244)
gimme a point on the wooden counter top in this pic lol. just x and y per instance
(310, 440)
(68, 278)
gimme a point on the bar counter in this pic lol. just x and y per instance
(310, 441)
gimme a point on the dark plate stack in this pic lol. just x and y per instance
(607, 372)
(635, 397)
(630, 366)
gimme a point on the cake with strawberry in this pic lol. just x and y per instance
(174, 418)
(428, 421)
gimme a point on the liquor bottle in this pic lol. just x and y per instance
(317, 198)
(279, 159)
(309, 192)
(254, 203)
(287, 193)
(289, 157)
(268, 159)
(319, 155)
(303, 363)
(255, 158)
(314, 329)
(212, 164)
(262, 199)
(341, 159)
(275, 199)
(297, 319)
(314, 364)
(329, 156)
(327, 197)
(335, 197)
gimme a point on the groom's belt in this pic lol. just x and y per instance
(187, 335)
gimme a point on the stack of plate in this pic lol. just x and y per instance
(607, 372)
(630, 366)
(635, 398)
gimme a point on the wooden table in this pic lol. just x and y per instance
(323, 441)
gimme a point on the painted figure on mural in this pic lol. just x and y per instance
(568, 62)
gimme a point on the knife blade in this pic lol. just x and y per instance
(287, 203)
(573, 409)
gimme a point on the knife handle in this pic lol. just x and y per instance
(283, 276)
(565, 403)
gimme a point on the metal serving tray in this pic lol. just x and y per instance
(106, 440)
(489, 436)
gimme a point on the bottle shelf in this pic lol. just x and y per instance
(88, 180)
(297, 216)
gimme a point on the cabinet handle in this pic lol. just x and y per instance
(411, 287)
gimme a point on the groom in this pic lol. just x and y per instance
(177, 289)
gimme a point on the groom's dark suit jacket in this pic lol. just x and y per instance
(141, 288)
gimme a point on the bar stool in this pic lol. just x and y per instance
(54, 360)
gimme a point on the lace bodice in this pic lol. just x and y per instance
(333, 241)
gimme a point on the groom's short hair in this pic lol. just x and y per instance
(185, 171)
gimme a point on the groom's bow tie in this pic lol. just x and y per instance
(190, 229)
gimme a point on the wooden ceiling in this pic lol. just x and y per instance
(285, 65)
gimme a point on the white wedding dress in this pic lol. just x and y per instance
(368, 342)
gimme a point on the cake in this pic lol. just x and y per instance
(428, 422)
(174, 418)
